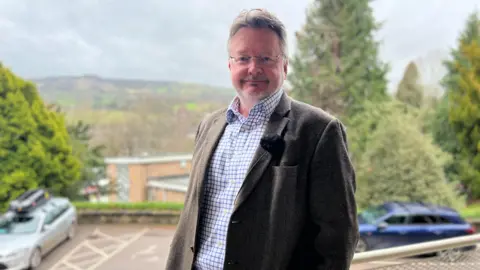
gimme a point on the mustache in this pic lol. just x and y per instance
(255, 79)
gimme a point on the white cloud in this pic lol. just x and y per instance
(186, 40)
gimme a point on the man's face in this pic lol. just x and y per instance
(255, 79)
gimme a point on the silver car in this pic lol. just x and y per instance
(26, 237)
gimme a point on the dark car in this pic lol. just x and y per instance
(395, 224)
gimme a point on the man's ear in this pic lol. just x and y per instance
(285, 68)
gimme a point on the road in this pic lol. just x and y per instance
(127, 247)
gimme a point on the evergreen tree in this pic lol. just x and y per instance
(400, 163)
(336, 66)
(443, 130)
(34, 146)
(362, 125)
(93, 164)
(410, 89)
(464, 109)
(21, 153)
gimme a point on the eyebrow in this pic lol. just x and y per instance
(264, 53)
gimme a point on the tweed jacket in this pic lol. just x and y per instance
(295, 210)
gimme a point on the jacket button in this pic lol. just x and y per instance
(232, 262)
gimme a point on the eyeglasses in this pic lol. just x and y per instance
(260, 60)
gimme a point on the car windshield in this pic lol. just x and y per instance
(372, 214)
(24, 224)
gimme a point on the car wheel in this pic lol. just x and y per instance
(361, 246)
(35, 259)
(71, 231)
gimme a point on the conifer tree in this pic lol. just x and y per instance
(464, 109)
(410, 90)
(402, 164)
(444, 132)
(336, 66)
(35, 149)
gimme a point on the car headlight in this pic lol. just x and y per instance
(17, 253)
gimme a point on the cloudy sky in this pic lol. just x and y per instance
(185, 40)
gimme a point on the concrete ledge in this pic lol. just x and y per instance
(128, 217)
(164, 217)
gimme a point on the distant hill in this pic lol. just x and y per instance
(132, 117)
(106, 93)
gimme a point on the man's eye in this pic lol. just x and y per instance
(243, 58)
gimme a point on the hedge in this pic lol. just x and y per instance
(471, 212)
(128, 206)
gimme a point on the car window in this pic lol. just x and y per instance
(395, 220)
(21, 224)
(372, 214)
(443, 220)
(56, 210)
(420, 219)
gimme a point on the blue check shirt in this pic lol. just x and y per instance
(225, 176)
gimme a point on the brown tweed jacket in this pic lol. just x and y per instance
(294, 211)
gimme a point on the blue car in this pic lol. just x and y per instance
(396, 224)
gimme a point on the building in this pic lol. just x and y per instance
(138, 179)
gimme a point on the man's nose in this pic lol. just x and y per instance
(254, 68)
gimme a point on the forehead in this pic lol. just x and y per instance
(255, 41)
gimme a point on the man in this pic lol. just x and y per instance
(272, 186)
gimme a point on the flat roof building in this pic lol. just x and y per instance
(149, 178)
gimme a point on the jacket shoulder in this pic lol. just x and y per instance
(208, 120)
(313, 118)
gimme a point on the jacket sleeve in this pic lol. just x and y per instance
(332, 199)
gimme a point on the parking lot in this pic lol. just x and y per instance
(112, 247)
(126, 247)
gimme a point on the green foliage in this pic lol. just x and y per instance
(129, 206)
(438, 125)
(336, 66)
(34, 146)
(362, 125)
(401, 163)
(464, 110)
(444, 130)
(93, 165)
(409, 89)
(472, 211)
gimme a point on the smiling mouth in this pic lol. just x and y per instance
(255, 81)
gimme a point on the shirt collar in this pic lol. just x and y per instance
(265, 107)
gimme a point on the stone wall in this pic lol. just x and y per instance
(148, 217)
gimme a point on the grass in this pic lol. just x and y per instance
(471, 211)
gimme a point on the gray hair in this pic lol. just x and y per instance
(260, 19)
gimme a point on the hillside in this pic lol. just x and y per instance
(133, 117)
(105, 93)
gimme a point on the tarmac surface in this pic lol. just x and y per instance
(127, 247)
(112, 247)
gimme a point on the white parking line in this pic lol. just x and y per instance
(95, 252)
(122, 247)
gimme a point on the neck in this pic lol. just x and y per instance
(245, 107)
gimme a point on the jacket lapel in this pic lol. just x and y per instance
(276, 125)
(213, 137)
(211, 141)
